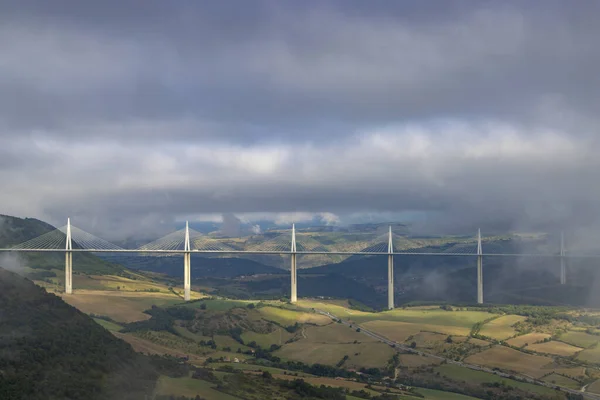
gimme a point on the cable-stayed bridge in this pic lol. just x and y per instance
(70, 239)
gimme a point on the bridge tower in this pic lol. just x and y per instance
(187, 261)
(563, 264)
(69, 260)
(390, 271)
(479, 269)
(294, 281)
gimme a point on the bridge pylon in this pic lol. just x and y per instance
(294, 280)
(390, 271)
(563, 261)
(68, 260)
(479, 269)
(187, 262)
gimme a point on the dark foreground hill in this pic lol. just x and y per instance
(50, 350)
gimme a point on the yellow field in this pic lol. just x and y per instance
(479, 342)
(556, 348)
(509, 359)
(415, 360)
(289, 317)
(360, 355)
(120, 306)
(501, 328)
(580, 339)
(560, 380)
(400, 331)
(590, 355)
(528, 339)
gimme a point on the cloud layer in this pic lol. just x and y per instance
(470, 114)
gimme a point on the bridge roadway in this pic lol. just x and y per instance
(462, 364)
(280, 252)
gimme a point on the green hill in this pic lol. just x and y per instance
(15, 230)
(50, 350)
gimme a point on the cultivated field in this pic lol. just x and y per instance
(580, 339)
(458, 373)
(560, 380)
(111, 326)
(512, 360)
(415, 360)
(334, 333)
(120, 306)
(556, 348)
(396, 331)
(590, 355)
(289, 317)
(265, 340)
(190, 388)
(360, 355)
(594, 387)
(501, 328)
(429, 340)
(527, 339)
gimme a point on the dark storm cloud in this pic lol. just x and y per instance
(124, 113)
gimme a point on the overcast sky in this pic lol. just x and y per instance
(134, 114)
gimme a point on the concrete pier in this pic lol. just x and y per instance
(390, 271)
(68, 260)
(479, 269)
(187, 263)
(294, 280)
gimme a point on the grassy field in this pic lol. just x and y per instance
(190, 387)
(528, 339)
(147, 347)
(479, 342)
(254, 367)
(428, 340)
(501, 328)
(554, 347)
(580, 339)
(265, 340)
(560, 380)
(574, 372)
(220, 304)
(415, 360)
(120, 306)
(590, 355)
(289, 317)
(458, 373)
(228, 341)
(190, 335)
(594, 387)
(360, 355)
(333, 333)
(512, 360)
(111, 326)
(431, 394)
(400, 331)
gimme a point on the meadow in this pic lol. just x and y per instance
(580, 339)
(555, 348)
(511, 360)
(527, 339)
(501, 328)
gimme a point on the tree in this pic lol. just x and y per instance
(413, 345)
(203, 306)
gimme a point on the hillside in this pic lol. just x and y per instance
(50, 350)
(15, 230)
